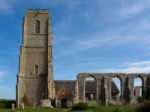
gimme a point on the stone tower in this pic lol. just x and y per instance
(35, 76)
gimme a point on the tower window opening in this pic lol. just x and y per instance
(37, 26)
(36, 69)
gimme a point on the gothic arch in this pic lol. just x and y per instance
(138, 76)
(103, 86)
(90, 76)
(116, 82)
(90, 86)
(138, 90)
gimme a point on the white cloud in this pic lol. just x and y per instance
(118, 36)
(102, 41)
(135, 67)
(99, 41)
(93, 42)
(139, 64)
(144, 24)
(132, 8)
(6, 6)
(136, 34)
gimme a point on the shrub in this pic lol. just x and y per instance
(6, 103)
(2, 105)
(140, 99)
(25, 100)
(80, 106)
(144, 107)
(147, 95)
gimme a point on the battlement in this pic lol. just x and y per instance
(40, 11)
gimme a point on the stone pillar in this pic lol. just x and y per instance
(81, 88)
(148, 81)
(148, 87)
(131, 89)
(100, 89)
(126, 92)
(122, 87)
(97, 90)
(144, 86)
(76, 94)
(109, 81)
(106, 90)
(84, 89)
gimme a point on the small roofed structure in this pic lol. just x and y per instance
(65, 90)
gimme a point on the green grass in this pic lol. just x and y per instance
(114, 108)
(36, 110)
(99, 108)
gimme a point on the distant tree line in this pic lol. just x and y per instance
(4, 103)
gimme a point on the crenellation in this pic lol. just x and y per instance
(35, 11)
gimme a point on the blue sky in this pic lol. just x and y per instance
(88, 35)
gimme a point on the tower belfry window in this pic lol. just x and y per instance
(37, 26)
(36, 69)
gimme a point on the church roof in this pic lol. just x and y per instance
(66, 88)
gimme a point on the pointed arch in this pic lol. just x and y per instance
(90, 88)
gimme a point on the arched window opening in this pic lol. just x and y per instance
(137, 87)
(115, 88)
(36, 69)
(90, 89)
(37, 26)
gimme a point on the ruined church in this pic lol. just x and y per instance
(35, 75)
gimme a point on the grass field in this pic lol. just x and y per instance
(101, 108)
(35, 110)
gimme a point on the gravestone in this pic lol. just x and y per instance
(13, 106)
(46, 103)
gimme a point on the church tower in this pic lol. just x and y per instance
(35, 76)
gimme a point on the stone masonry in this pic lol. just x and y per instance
(35, 76)
(104, 86)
